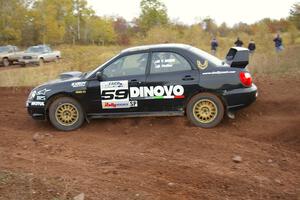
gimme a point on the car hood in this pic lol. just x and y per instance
(3, 54)
(66, 77)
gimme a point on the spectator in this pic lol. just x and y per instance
(239, 43)
(252, 46)
(278, 43)
(214, 45)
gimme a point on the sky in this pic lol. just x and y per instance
(192, 11)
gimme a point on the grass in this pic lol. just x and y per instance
(74, 58)
(86, 58)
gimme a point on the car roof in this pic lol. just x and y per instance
(156, 46)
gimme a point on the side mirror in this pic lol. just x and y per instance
(99, 76)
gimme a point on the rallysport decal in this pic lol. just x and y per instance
(117, 94)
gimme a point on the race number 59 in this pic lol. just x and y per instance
(114, 94)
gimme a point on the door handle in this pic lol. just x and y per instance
(188, 78)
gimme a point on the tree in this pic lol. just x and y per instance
(223, 29)
(11, 19)
(295, 14)
(121, 27)
(209, 25)
(101, 30)
(153, 13)
(49, 18)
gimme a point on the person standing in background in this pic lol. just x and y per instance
(239, 43)
(278, 43)
(214, 45)
(251, 46)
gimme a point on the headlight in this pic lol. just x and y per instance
(32, 95)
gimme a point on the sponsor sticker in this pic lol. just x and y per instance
(80, 92)
(43, 92)
(114, 105)
(157, 92)
(114, 84)
(78, 84)
(40, 98)
(37, 103)
(164, 63)
(202, 66)
(117, 94)
(114, 94)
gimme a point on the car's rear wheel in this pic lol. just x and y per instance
(66, 114)
(6, 62)
(205, 110)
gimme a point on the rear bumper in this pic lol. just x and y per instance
(36, 112)
(240, 98)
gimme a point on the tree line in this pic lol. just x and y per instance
(27, 22)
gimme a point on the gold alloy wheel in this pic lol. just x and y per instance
(66, 114)
(205, 111)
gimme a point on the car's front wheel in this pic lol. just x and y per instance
(205, 110)
(66, 114)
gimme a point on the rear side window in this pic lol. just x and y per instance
(165, 62)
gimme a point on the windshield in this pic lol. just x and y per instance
(214, 60)
(35, 50)
(4, 49)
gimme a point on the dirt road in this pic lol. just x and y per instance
(155, 158)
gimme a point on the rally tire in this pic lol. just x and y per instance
(66, 114)
(205, 110)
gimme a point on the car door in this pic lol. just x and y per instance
(171, 80)
(48, 54)
(112, 93)
(13, 55)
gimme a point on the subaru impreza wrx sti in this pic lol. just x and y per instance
(155, 80)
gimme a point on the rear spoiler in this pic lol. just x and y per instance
(237, 57)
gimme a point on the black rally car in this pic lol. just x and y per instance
(156, 80)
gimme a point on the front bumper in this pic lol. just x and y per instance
(36, 111)
(29, 61)
(240, 98)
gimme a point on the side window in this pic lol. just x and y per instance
(164, 62)
(46, 49)
(127, 66)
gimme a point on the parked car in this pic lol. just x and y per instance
(39, 55)
(9, 54)
(157, 80)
